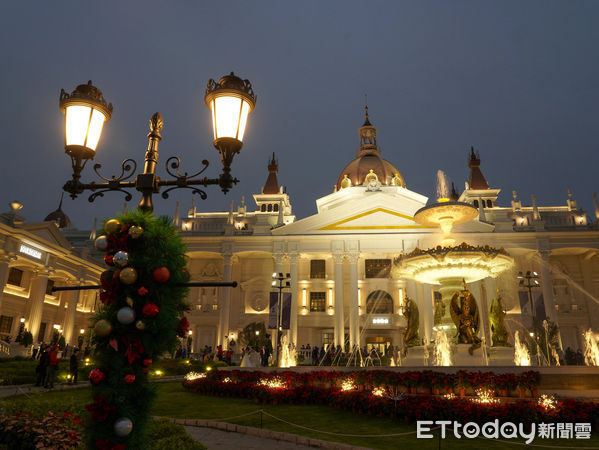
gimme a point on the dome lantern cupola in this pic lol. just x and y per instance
(368, 162)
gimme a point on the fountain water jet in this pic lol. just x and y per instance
(288, 354)
(442, 349)
(591, 348)
(521, 354)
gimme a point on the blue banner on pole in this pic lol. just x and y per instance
(273, 310)
(286, 311)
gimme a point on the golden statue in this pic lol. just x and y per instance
(410, 313)
(464, 314)
(497, 315)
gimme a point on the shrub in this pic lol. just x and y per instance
(166, 435)
(28, 431)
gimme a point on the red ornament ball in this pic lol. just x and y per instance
(129, 378)
(150, 310)
(161, 274)
(109, 260)
(96, 376)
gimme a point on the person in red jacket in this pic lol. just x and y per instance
(52, 367)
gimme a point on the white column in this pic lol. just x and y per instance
(37, 294)
(547, 286)
(586, 268)
(293, 260)
(354, 324)
(70, 337)
(4, 269)
(427, 313)
(225, 304)
(339, 320)
(278, 257)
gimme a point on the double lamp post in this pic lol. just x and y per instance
(230, 100)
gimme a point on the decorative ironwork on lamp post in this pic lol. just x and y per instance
(230, 100)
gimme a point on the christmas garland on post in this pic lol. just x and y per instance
(140, 319)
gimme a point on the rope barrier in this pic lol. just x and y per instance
(343, 434)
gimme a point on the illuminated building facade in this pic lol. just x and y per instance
(340, 260)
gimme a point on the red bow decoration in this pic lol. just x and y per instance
(116, 243)
(183, 327)
(110, 285)
(150, 310)
(134, 349)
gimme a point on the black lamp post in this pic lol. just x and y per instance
(531, 281)
(230, 100)
(280, 281)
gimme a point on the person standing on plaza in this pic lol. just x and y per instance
(74, 366)
(52, 367)
(42, 365)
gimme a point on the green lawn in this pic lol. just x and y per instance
(173, 401)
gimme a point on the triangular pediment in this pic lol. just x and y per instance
(374, 219)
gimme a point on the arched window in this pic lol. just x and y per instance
(475, 203)
(270, 207)
(379, 302)
(276, 207)
(263, 207)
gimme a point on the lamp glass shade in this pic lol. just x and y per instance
(83, 126)
(229, 116)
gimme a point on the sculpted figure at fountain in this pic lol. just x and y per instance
(410, 313)
(464, 314)
(496, 318)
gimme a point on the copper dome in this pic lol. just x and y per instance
(368, 160)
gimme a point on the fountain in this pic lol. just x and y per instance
(591, 348)
(521, 354)
(450, 265)
(442, 349)
(288, 354)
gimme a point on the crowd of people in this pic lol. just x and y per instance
(48, 357)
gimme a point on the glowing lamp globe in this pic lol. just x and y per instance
(230, 100)
(85, 111)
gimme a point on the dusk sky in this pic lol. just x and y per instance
(518, 80)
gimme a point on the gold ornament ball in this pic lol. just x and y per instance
(135, 231)
(102, 328)
(112, 226)
(140, 325)
(128, 275)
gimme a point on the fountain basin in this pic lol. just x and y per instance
(464, 262)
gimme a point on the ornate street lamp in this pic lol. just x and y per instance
(280, 281)
(231, 99)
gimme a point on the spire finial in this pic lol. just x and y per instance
(366, 118)
(60, 204)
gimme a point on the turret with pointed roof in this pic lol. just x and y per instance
(59, 217)
(272, 184)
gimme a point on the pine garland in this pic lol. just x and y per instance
(141, 317)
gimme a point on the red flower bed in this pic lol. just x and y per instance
(324, 388)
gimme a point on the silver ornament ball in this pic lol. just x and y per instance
(125, 315)
(123, 426)
(121, 258)
(101, 243)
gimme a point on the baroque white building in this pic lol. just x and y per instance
(34, 257)
(340, 259)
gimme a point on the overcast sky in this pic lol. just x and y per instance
(518, 80)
